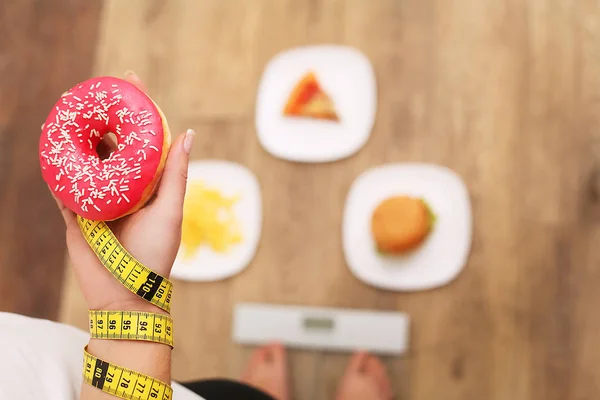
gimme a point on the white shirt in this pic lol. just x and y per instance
(42, 359)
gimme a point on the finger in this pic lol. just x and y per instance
(171, 192)
(68, 215)
(132, 77)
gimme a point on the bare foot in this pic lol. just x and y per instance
(365, 378)
(267, 371)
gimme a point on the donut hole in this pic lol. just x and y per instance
(107, 145)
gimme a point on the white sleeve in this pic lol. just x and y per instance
(44, 360)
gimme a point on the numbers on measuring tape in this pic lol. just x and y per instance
(124, 267)
(122, 382)
(140, 387)
(148, 285)
(131, 325)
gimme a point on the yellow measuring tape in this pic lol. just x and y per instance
(136, 277)
(123, 382)
(131, 325)
(128, 325)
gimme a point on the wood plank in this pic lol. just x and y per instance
(505, 92)
(45, 48)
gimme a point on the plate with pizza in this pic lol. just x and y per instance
(316, 103)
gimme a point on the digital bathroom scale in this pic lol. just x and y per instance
(327, 329)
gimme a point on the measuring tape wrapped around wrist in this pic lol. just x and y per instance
(132, 274)
(122, 382)
(131, 325)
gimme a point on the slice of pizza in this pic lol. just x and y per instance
(309, 100)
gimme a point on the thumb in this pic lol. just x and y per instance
(171, 192)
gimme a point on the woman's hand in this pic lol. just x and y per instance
(152, 235)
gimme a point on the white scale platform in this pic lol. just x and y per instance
(327, 329)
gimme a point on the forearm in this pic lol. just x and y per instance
(152, 359)
(148, 358)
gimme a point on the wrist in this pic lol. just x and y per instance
(134, 304)
(149, 358)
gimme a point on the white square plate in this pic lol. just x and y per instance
(346, 75)
(443, 254)
(231, 179)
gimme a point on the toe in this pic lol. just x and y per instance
(357, 363)
(276, 353)
(376, 369)
(276, 365)
(258, 357)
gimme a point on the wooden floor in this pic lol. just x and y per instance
(505, 92)
(45, 47)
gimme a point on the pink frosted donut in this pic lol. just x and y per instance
(121, 184)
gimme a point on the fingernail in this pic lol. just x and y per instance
(130, 74)
(188, 140)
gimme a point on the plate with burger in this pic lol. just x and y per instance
(407, 226)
